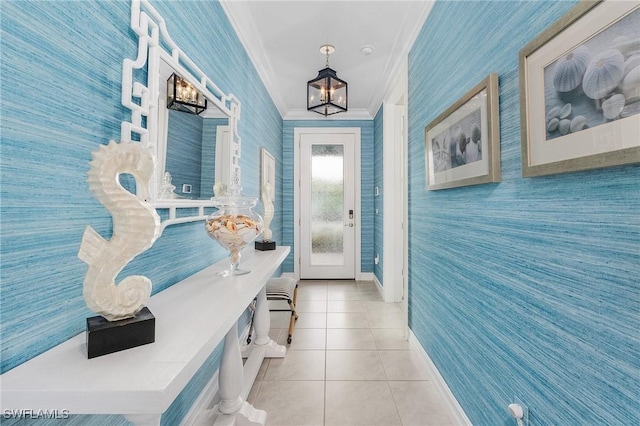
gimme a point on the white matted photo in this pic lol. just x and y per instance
(462, 145)
(580, 90)
(268, 172)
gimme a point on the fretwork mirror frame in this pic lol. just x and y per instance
(155, 45)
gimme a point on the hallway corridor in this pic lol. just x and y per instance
(348, 364)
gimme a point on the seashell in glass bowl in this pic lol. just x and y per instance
(234, 226)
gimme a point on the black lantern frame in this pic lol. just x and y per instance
(183, 96)
(327, 94)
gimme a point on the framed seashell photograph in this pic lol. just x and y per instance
(267, 173)
(580, 90)
(462, 145)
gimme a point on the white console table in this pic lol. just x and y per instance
(192, 317)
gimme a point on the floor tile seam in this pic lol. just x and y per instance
(360, 380)
(357, 380)
(324, 396)
(352, 349)
(395, 403)
(349, 328)
(394, 350)
(324, 401)
(368, 349)
(385, 371)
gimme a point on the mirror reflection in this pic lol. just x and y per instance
(191, 159)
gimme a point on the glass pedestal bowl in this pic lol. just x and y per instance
(234, 226)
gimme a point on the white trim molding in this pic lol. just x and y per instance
(394, 187)
(380, 289)
(351, 114)
(452, 402)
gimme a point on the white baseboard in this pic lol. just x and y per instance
(461, 417)
(365, 276)
(360, 276)
(378, 286)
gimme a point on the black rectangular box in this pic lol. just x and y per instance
(265, 245)
(105, 337)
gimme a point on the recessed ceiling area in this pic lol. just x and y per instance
(283, 40)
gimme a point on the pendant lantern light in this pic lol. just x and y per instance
(327, 94)
(183, 96)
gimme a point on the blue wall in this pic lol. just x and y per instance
(185, 133)
(528, 288)
(366, 189)
(378, 177)
(60, 100)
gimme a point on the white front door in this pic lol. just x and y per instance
(327, 205)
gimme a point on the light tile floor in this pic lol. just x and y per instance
(347, 364)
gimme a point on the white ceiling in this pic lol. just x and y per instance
(283, 40)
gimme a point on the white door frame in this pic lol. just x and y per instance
(395, 252)
(297, 133)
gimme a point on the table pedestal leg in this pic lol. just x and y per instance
(261, 325)
(232, 409)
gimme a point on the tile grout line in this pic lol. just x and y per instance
(326, 344)
(376, 347)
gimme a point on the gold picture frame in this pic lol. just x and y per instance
(462, 145)
(573, 118)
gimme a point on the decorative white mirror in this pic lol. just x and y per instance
(194, 147)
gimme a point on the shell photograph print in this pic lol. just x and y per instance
(597, 82)
(462, 145)
(580, 90)
(459, 145)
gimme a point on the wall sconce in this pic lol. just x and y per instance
(327, 94)
(183, 96)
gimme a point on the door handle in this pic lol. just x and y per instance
(350, 225)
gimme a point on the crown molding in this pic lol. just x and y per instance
(241, 19)
(352, 114)
(243, 23)
(398, 61)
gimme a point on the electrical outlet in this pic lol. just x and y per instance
(524, 421)
(186, 188)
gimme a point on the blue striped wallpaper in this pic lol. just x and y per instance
(366, 200)
(528, 288)
(185, 133)
(378, 212)
(60, 99)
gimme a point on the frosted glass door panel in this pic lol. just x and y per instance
(327, 205)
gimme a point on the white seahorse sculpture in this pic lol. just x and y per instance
(267, 201)
(136, 226)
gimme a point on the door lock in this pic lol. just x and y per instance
(350, 214)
